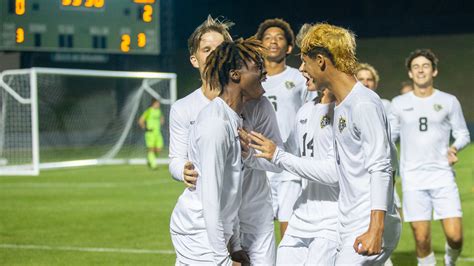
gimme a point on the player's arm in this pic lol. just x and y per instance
(178, 149)
(142, 119)
(372, 128)
(394, 118)
(162, 120)
(213, 145)
(458, 125)
(321, 171)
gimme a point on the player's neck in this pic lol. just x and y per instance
(423, 92)
(341, 84)
(208, 93)
(233, 98)
(274, 68)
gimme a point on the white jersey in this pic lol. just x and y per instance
(256, 213)
(386, 106)
(315, 212)
(182, 116)
(424, 126)
(287, 93)
(363, 155)
(212, 207)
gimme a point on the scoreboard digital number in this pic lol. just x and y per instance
(89, 26)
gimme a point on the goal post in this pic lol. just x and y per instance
(51, 118)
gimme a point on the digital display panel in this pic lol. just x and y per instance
(89, 26)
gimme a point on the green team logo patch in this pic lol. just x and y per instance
(437, 107)
(342, 124)
(289, 84)
(325, 121)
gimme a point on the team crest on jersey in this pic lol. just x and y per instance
(289, 84)
(303, 121)
(437, 107)
(325, 121)
(342, 124)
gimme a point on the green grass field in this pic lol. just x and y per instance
(119, 215)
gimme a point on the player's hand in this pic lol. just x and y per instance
(190, 175)
(241, 257)
(370, 242)
(265, 146)
(244, 142)
(452, 155)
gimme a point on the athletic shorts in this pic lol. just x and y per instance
(437, 204)
(295, 250)
(154, 140)
(284, 196)
(259, 247)
(194, 249)
(347, 256)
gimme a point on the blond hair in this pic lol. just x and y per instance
(371, 69)
(336, 43)
(209, 25)
(301, 33)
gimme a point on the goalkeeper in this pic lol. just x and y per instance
(151, 121)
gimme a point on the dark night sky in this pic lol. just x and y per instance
(368, 18)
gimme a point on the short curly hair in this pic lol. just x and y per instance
(427, 53)
(371, 69)
(336, 43)
(279, 23)
(210, 24)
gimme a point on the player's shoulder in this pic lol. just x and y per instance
(402, 98)
(186, 100)
(444, 95)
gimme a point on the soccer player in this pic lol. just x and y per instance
(151, 121)
(255, 214)
(368, 76)
(369, 226)
(285, 88)
(424, 119)
(203, 218)
(205, 38)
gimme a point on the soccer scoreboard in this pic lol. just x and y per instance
(84, 26)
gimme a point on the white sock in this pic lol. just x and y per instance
(388, 262)
(429, 260)
(451, 255)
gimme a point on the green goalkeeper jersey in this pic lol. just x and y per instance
(152, 119)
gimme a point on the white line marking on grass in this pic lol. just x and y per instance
(82, 185)
(106, 250)
(441, 257)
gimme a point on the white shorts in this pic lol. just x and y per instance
(193, 249)
(347, 256)
(295, 250)
(437, 204)
(259, 247)
(284, 196)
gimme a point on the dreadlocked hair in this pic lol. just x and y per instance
(231, 56)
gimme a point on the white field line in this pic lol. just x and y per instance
(84, 249)
(441, 257)
(81, 185)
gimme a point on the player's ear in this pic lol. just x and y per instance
(435, 73)
(234, 75)
(410, 75)
(194, 61)
(321, 61)
(290, 49)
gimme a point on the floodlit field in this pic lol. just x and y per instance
(119, 215)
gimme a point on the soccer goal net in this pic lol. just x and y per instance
(52, 118)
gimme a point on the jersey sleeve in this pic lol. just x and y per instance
(213, 146)
(458, 126)
(178, 149)
(394, 118)
(321, 171)
(370, 125)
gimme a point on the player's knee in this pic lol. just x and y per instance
(423, 241)
(455, 241)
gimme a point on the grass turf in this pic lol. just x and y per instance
(45, 220)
